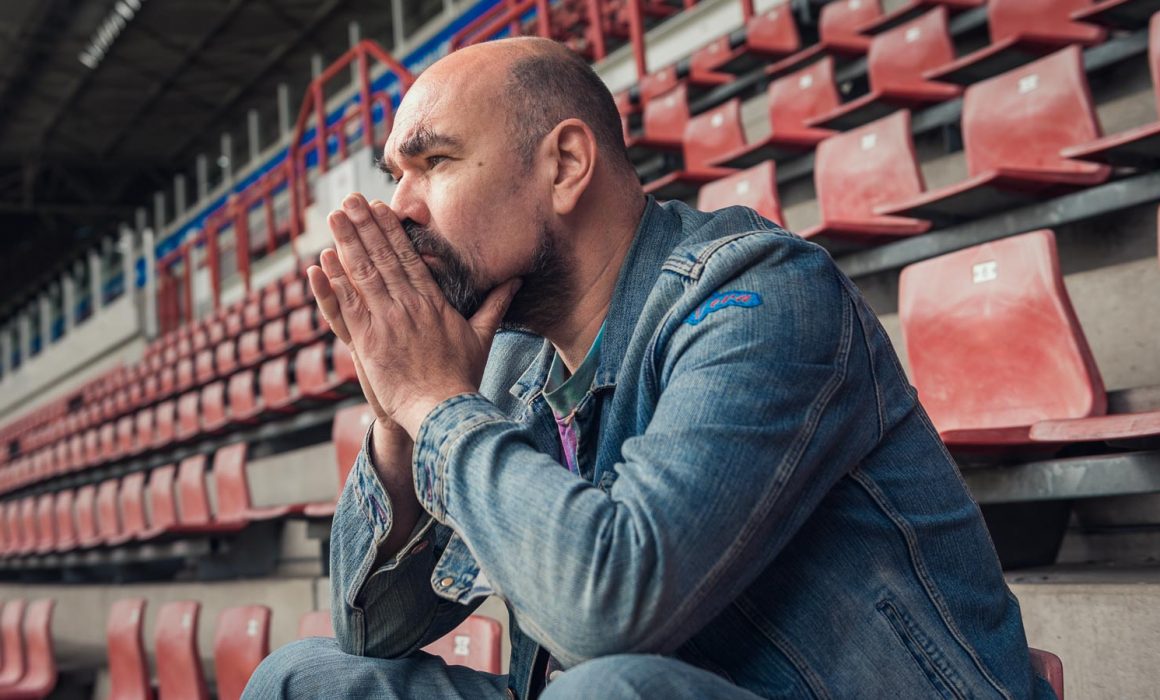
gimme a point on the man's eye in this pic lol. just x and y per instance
(393, 179)
(432, 161)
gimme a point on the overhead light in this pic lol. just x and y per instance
(107, 33)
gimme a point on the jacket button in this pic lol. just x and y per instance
(554, 675)
(446, 583)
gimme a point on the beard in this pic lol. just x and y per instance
(544, 296)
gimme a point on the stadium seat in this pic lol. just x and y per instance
(754, 187)
(321, 369)
(26, 512)
(1118, 14)
(702, 76)
(46, 523)
(180, 677)
(1139, 147)
(1021, 31)
(128, 665)
(1048, 667)
(316, 623)
(131, 506)
(108, 510)
(707, 136)
(226, 356)
(305, 325)
(663, 125)
(272, 306)
(214, 411)
(185, 374)
(188, 415)
(166, 381)
(144, 429)
(250, 348)
(274, 340)
(244, 399)
(203, 367)
(252, 310)
(296, 293)
(895, 64)
(12, 657)
(241, 641)
(860, 169)
(1011, 158)
(911, 9)
(66, 529)
(348, 431)
(475, 643)
(195, 513)
(39, 677)
(164, 423)
(792, 101)
(234, 506)
(768, 36)
(839, 25)
(277, 392)
(658, 83)
(127, 436)
(86, 516)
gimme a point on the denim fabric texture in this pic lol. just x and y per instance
(770, 510)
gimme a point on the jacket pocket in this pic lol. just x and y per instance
(926, 655)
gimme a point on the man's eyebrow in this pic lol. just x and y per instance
(419, 142)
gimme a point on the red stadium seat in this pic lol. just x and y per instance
(250, 348)
(252, 310)
(108, 437)
(306, 325)
(707, 136)
(188, 415)
(274, 385)
(86, 516)
(274, 340)
(1139, 147)
(316, 623)
(66, 528)
(214, 412)
(702, 77)
(241, 641)
(180, 677)
(126, 436)
(296, 293)
(39, 678)
(792, 101)
(768, 36)
(244, 399)
(911, 9)
(31, 538)
(128, 665)
(348, 431)
(226, 356)
(658, 83)
(1118, 14)
(858, 170)
(663, 124)
(203, 368)
(1048, 667)
(185, 374)
(839, 26)
(164, 423)
(46, 523)
(145, 429)
(754, 187)
(167, 381)
(108, 510)
(896, 62)
(131, 506)
(195, 513)
(12, 658)
(235, 507)
(321, 369)
(1011, 158)
(1021, 32)
(475, 643)
(272, 301)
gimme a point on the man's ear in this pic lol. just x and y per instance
(573, 150)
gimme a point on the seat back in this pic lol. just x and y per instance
(179, 672)
(1049, 667)
(840, 20)
(108, 517)
(310, 372)
(796, 98)
(316, 623)
(86, 515)
(66, 531)
(274, 381)
(872, 165)
(193, 506)
(658, 83)
(132, 504)
(898, 57)
(213, 404)
(993, 340)
(189, 414)
(1040, 18)
(233, 488)
(12, 638)
(243, 397)
(773, 31)
(475, 643)
(241, 641)
(161, 499)
(1022, 118)
(29, 523)
(128, 665)
(164, 422)
(40, 675)
(274, 337)
(712, 134)
(754, 187)
(46, 522)
(349, 428)
(665, 116)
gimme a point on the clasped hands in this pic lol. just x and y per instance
(412, 350)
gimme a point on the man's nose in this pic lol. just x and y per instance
(407, 202)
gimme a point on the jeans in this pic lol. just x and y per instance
(317, 668)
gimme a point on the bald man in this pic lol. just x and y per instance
(688, 461)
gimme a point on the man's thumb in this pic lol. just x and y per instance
(486, 321)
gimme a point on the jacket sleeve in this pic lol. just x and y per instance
(761, 405)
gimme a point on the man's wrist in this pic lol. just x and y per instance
(410, 415)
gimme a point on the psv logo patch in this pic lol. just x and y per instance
(722, 300)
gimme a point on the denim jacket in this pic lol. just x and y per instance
(769, 500)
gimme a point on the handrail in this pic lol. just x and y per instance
(501, 17)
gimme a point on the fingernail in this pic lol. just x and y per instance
(350, 203)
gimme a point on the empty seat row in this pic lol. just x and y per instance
(28, 668)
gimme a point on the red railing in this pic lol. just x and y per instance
(505, 15)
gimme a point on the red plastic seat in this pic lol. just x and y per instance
(108, 437)
(28, 522)
(1139, 147)
(658, 83)
(1011, 158)
(214, 412)
(128, 665)
(858, 170)
(475, 643)
(895, 63)
(321, 369)
(12, 658)
(188, 415)
(754, 187)
(250, 348)
(241, 641)
(1021, 31)
(185, 374)
(180, 677)
(707, 137)
(126, 436)
(792, 100)
(66, 529)
(39, 677)
(274, 384)
(195, 513)
(131, 507)
(46, 523)
(234, 505)
(907, 11)
(769, 36)
(226, 356)
(252, 310)
(316, 623)
(306, 325)
(839, 25)
(1118, 14)
(203, 367)
(1048, 667)
(86, 516)
(663, 124)
(274, 340)
(164, 423)
(143, 428)
(296, 292)
(272, 301)
(348, 431)
(108, 510)
(245, 401)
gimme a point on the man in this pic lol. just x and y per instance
(691, 467)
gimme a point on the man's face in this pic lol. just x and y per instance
(470, 205)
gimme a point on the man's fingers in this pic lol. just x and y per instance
(327, 302)
(486, 321)
(351, 308)
(408, 258)
(372, 231)
(363, 273)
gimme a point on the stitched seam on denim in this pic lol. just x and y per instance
(908, 633)
(928, 585)
(435, 484)
(873, 370)
(710, 250)
(774, 491)
(767, 629)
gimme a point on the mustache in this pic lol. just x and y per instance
(425, 240)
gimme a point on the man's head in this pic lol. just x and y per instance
(501, 152)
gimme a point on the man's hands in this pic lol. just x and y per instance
(412, 350)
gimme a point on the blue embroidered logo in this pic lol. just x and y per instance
(721, 300)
